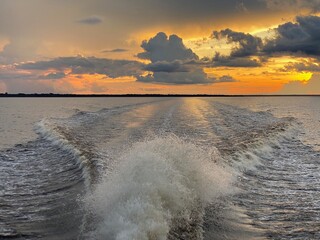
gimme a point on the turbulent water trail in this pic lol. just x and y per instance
(158, 191)
(184, 168)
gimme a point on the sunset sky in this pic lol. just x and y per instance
(160, 46)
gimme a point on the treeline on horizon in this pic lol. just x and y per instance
(143, 95)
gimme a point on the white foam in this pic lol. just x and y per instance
(155, 182)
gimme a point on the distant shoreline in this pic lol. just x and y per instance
(53, 95)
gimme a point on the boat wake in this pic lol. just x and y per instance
(175, 169)
(158, 191)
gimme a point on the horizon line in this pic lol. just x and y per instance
(150, 95)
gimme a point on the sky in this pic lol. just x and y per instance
(160, 46)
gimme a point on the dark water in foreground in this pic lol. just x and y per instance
(157, 168)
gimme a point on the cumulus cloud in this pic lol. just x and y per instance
(92, 20)
(246, 44)
(297, 87)
(164, 48)
(300, 37)
(88, 65)
(171, 62)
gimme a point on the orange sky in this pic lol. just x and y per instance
(264, 46)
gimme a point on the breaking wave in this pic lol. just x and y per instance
(47, 130)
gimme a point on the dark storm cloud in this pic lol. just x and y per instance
(300, 37)
(88, 65)
(247, 44)
(92, 20)
(164, 48)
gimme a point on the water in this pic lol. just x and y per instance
(160, 168)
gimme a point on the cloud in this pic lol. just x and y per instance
(116, 50)
(176, 78)
(24, 82)
(297, 87)
(164, 48)
(300, 37)
(163, 66)
(14, 75)
(304, 66)
(171, 62)
(55, 34)
(312, 5)
(163, 12)
(59, 63)
(226, 78)
(55, 75)
(227, 61)
(246, 44)
(183, 78)
(88, 65)
(92, 20)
